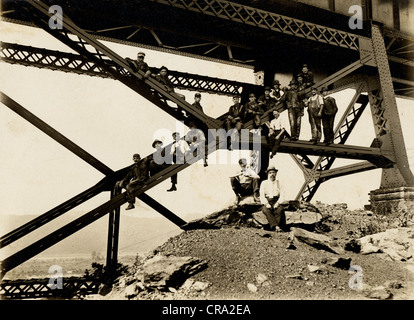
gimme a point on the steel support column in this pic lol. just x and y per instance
(386, 118)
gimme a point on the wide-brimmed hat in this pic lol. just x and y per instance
(276, 82)
(271, 168)
(155, 142)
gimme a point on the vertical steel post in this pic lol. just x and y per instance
(113, 236)
(386, 118)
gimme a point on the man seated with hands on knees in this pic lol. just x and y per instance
(269, 198)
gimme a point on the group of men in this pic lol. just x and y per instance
(321, 107)
(321, 111)
(190, 148)
(267, 192)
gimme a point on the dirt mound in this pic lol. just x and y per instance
(244, 261)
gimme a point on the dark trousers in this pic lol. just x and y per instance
(275, 217)
(155, 168)
(295, 119)
(131, 188)
(244, 189)
(328, 128)
(273, 142)
(316, 126)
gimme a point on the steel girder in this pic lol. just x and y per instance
(385, 117)
(74, 63)
(267, 20)
(38, 288)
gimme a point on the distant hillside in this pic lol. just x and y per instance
(137, 235)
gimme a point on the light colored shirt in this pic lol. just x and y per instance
(246, 175)
(180, 148)
(269, 190)
(276, 124)
(195, 136)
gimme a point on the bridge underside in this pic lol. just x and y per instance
(371, 61)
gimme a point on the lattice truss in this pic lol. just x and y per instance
(267, 20)
(37, 288)
(97, 59)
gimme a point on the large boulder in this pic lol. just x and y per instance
(318, 241)
(396, 243)
(163, 272)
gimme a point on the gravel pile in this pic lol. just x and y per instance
(237, 256)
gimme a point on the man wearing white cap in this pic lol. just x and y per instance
(269, 198)
(140, 64)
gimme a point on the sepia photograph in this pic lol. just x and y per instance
(209, 155)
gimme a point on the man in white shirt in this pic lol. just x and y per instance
(276, 132)
(245, 183)
(178, 151)
(269, 198)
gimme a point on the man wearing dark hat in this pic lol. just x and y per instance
(269, 198)
(277, 92)
(162, 77)
(266, 101)
(159, 161)
(197, 99)
(252, 108)
(315, 105)
(307, 76)
(136, 177)
(235, 114)
(140, 64)
(295, 109)
(329, 111)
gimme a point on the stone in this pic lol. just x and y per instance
(252, 287)
(131, 291)
(397, 243)
(393, 284)
(302, 218)
(353, 245)
(260, 217)
(316, 240)
(370, 248)
(200, 286)
(338, 262)
(294, 276)
(313, 268)
(380, 293)
(104, 289)
(171, 271)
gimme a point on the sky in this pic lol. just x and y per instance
(112, 122)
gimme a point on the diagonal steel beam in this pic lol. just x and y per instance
(341, 133)
(55, 135)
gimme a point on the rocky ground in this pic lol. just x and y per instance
(230, 255)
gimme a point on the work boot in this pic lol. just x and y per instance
(256, 197)
(173, 188)
(130, 206)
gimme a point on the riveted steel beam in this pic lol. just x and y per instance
(263, 19)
